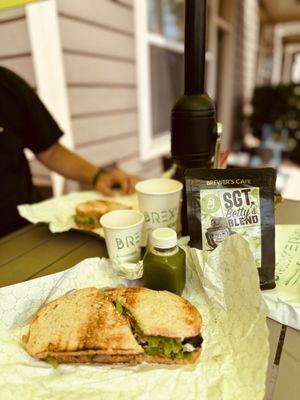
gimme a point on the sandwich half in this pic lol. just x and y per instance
(88, 213)
(129, 325)
(81, 327)
(165, 325)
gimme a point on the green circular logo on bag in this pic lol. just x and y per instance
(210, 203)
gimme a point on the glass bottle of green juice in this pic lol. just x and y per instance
(164, 262)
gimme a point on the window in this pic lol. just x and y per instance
(160, 47)
(160, 62)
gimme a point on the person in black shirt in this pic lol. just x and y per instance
(26, 123)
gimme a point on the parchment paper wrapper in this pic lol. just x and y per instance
(284, 300)
(223, 286)
(58, 211)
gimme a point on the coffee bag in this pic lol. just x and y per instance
(222, 202)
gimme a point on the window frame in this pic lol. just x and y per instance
(149, 146)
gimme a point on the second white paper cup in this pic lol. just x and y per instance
(159, 202)
(122, 232)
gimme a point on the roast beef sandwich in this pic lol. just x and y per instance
(124, 325)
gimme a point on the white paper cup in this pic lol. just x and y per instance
(122, 232)
(159, 202)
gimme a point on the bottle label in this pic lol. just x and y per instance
(225, 212)
(172, 252)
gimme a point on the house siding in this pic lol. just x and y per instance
(99, 56)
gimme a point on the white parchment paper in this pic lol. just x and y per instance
(222, 285)
(58, 212)
(284, 301)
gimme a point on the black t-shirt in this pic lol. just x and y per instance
(24, 123)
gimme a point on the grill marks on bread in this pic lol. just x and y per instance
(82, 320)
(159, 313)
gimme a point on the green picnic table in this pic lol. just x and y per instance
(34, 251)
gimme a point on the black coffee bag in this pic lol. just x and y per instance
(222, 202)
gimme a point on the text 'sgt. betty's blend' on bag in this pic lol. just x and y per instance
(224, 202)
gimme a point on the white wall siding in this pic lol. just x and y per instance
(79, 36)
(107, 13)
(13, 43)
(86, 69)
(99, 53)
(86, 129)
(96, 99)
(110, 150)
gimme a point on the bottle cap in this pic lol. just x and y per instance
(164, 238)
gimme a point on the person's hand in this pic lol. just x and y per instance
(115, 177)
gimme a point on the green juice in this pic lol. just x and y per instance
(165, 269)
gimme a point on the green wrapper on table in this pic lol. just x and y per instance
(284, 300)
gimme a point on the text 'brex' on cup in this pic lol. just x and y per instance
(123, 232)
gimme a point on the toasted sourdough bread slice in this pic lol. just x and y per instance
(84, 322)
(159, 313)
(95, 209)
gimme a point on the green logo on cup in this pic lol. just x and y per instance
(161, 217)
(128, 241)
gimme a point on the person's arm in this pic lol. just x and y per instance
(63, 161)
(40, 134)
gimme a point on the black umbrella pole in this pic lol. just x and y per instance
(193, 119)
